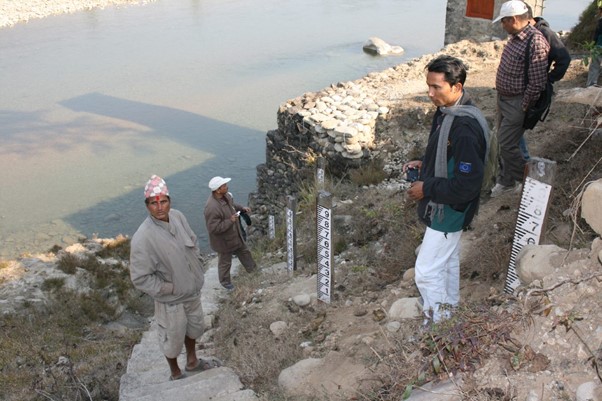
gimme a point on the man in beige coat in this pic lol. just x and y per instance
(225, 236)
(166, 264)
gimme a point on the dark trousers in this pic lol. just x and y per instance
(510, 131)
(224, 263)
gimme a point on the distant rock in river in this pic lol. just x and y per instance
(377, 46)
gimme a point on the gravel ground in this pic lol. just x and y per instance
(18, 11)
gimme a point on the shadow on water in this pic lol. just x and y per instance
(236, 150)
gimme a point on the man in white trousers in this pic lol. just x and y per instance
(449, 184)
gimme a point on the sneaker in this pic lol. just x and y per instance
(228, 286)
(499, 189)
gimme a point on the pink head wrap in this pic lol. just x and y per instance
(156, 186)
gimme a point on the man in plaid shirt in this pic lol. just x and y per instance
(514, 97)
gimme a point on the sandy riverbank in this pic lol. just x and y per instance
(19, 11)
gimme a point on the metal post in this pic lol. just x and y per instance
(271, 227)
(532, 212)
(320, 172)
(324, 246)
(291, 235)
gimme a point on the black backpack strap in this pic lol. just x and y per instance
(527, 58)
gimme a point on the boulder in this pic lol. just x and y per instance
(278, 328)
(591, 206)
(377, 46)
(534, 262)
(405, 308)
(307, 377)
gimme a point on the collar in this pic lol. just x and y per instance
(524, 33)
(159, 222)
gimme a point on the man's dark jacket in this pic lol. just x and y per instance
(460, 191)
(558, 57)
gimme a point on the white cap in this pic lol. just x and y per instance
(217, 182)
(510, 9)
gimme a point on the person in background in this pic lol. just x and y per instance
(225, 234)
(449, 184)
(515, 96)
(559, 60)
(166, 264)
(594, 66)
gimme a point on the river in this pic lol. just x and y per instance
(93, 103)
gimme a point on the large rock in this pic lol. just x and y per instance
(591, 206)
(377, 46)
(589, 96)
(405, 308)
(534, 262)
(335, 374)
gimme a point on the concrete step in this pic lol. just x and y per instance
(147, 373)
(210, 383)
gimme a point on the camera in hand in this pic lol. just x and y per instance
(412, 174)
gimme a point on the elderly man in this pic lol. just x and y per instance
(165, 263)
(515, 91)
(449, 184)
(559, 60)
(225, 236)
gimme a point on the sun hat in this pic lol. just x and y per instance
(155, 186)
(510, 9)
(217, 182)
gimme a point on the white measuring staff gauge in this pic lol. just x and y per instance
(271, 226)
(529, 224)
(291, 236)
(325, 268)
(290, 240)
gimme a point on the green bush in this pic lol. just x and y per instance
(583, 32)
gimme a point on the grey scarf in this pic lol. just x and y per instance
(433, 208)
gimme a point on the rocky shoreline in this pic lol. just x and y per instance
(14, 12)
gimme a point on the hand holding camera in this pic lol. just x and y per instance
(412, 174)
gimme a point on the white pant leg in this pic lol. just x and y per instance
(438, 270)
(453, 272)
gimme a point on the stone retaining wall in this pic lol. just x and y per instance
(337, 124)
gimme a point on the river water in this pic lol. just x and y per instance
(93, 103)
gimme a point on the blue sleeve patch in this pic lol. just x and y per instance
(465, 167)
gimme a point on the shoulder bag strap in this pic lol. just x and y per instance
(527, 58)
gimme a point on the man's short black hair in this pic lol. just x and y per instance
(147, 200)
(453, 69)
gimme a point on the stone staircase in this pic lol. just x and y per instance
(147, 374)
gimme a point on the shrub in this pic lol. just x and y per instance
(53, 284)
(68, 263)
(369, 174)
(118, 248)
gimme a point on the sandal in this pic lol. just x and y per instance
(180, 376)
(205, 364)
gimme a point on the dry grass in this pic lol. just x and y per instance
(570, 178)
(383, 234)
(62, 353)
(61, 350)
(370, 174)
(245, 340)
(459, 344)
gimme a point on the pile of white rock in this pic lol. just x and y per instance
(344, 117)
